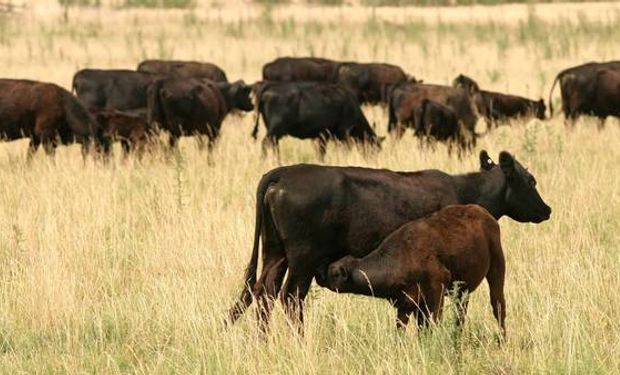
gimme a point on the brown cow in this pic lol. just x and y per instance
(405, 98)
(192, 106)
(289, 69)
(576, 85)
(413, 268)
(606, 95)
(369, 80)
(47, 114)
(184, 69)
(130, 128)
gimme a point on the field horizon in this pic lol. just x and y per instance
(131, 266)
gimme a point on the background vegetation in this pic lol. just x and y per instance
(130, 267)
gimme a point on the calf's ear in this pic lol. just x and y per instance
(507, 163)
(486, 163)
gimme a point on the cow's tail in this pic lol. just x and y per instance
(259, 88)
(249, 278)
(390, 108)
(74, 83)
(418, 117)
(81, 123)
(153, 103)
(257, 122)
(557, 78)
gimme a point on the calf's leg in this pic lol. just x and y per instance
(495, 278)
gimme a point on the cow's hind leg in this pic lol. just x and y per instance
(294, 292)
(267, 289)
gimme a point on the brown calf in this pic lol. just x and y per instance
(456, 247)
(130, 128)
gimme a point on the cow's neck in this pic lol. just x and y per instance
(486, 189)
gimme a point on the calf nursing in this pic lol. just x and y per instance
(456, 247)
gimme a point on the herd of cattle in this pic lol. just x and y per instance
(407, 237)
(304, 97)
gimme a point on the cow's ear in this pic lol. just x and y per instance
(507, 163)
(486, 163)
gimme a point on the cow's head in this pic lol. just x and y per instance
(520, 198)
(239, 96)
(466, 83)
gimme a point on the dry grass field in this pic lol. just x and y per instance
(130, 267)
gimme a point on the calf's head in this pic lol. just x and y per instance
(521, 200)
(342, 275)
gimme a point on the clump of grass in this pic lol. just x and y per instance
(160, 3)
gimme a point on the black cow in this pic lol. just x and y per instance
(184, 69)
(309, 216)
(100, 89)
(437, 122)
(577, 88)
(192, 106)
(496, 106)
(47, 114)
(311, 110)
(288, 69)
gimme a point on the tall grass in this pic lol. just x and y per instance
(131, 266)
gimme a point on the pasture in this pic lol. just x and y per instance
(130, 266)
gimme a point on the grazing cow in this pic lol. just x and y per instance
(130, 128)
(183, 69)
(288, 69)
(606, 98)
(311, 110)
(309, 216)
(369, 81)
(454, 248)
(405, 98)
(192, 106)
(577, 85)
(101, 89)
(437, 122)
(47, 114)
(498, 107)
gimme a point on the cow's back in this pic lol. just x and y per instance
(353, 207)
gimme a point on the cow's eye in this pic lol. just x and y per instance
(533, 183)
